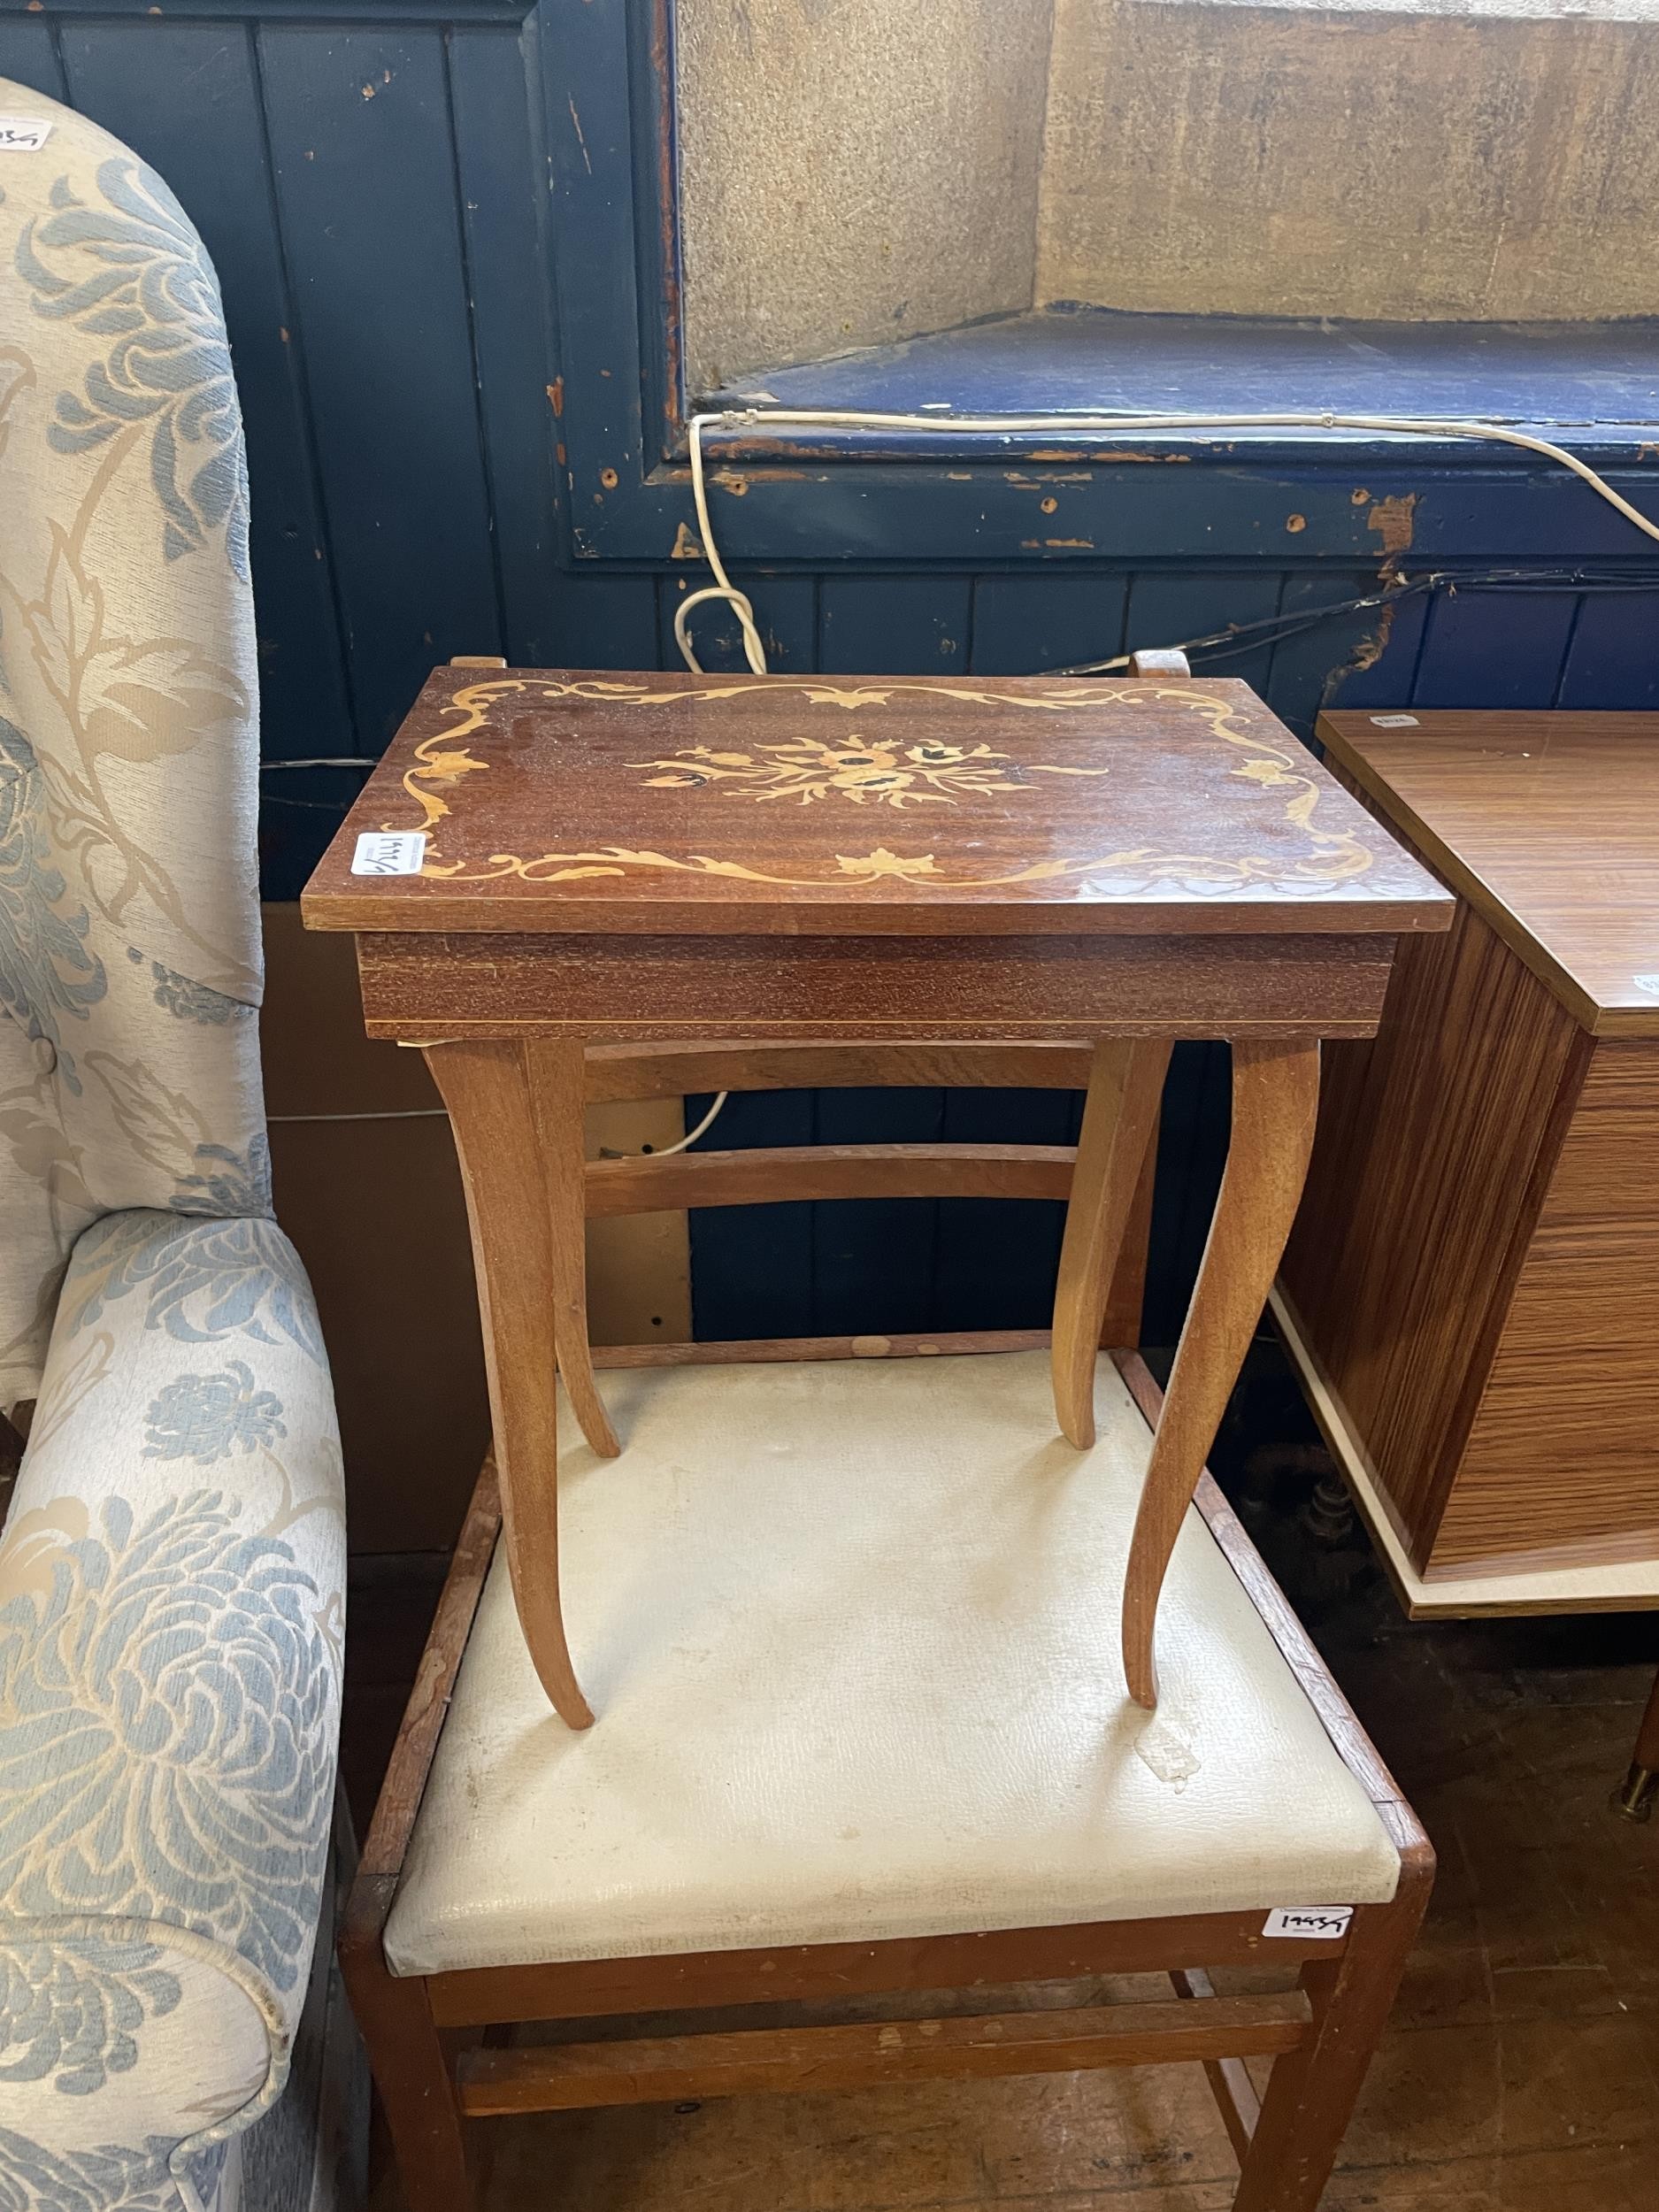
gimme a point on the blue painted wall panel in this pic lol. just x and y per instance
(1491, 648)
(752, 1267)
(498, 156)
(599, 620)
(1023, 624)
(28, 54)
(873, 1261)
(1613, 657)
(365, 183)
(994, 1259)
(1191, 1151)
(895, 626)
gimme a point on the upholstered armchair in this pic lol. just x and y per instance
(171, 1566)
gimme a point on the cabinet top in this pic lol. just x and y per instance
(1549, 824)
(567, 800)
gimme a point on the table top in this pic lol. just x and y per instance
(1549, 824)
(572, 800)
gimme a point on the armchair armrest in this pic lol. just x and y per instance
(172, 1614)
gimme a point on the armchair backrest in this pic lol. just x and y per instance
(130, 967)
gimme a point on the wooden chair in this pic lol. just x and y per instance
(846, 1611)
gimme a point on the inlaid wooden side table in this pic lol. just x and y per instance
(548, 860)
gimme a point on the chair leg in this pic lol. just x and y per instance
(1124, 1085)
(488, 1089)
(1312, 2091)
(1275, 1100)
(1635, 1799)
(416, 2087)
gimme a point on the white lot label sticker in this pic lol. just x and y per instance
(1648, 983)
(23, 134)
(1327, 1922)
(1394, 721)
(389, 853)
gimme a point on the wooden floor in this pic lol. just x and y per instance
(1521, 2072)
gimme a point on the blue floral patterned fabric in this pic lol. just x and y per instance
(172, 1580)
(129, 265)
(172, 1568)
(129, 955)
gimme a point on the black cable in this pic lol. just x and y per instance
(1271, 630)
(1274, 629)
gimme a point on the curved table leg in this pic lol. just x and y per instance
(1275, 1101)
(558, 1097)
(1126, 1083)
(488, 1089)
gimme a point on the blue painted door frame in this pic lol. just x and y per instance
(447, 240)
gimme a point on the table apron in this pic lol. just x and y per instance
(427, 987)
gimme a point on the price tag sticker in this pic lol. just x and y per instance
(1394, 721)
(389, 853)
(23, 134)
(1327, 1923)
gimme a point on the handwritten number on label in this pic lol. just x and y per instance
(1326, 1924)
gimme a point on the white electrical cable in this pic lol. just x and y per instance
(434, 1113)
(1127, 425)
(667, 1151)
(722, 588)
(401, 1113)
(691, 1136)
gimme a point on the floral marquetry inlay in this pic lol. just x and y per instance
(851, 763)
(929, 775)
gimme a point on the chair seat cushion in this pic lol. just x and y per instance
(851, 1632)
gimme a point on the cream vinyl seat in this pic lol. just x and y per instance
(849, 1629)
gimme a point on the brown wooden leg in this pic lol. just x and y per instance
(417, 2088)
(1230, 2082)
(1120, 1332)
(1126, 1083)
(557, 1087)
(1311, 2090)
(1647, 1734)
(1635, 1800)
(486, 1089)
(1275, 1098)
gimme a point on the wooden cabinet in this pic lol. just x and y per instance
(1472, 1287)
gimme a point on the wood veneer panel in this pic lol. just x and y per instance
(1507, 806)
(1609, 1161)
(1563, 1459)
(1424, 1190)
(430, 989)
